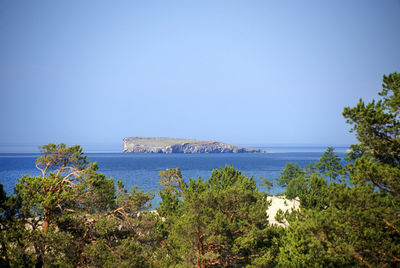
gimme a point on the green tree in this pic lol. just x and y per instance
(125, 236)
(293, 178)
(223, 223)
(14, 242)
(290, 172)
(341, 225)
(171, 193)
(68, 184)
(329, 165)
(266, 183)
(375, 172)
(72, 216)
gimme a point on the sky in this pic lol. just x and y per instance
(244, 72)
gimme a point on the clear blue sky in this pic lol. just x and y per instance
(244, 72)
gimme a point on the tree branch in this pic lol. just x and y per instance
(391, 226)
(361, 260)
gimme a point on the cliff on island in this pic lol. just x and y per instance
(187, 146)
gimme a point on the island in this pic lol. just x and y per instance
(187, 146)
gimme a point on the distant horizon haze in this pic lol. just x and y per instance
(117, 148)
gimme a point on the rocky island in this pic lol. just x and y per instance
(187, 146)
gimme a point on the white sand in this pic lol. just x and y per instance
(277, 202)
(280, 202)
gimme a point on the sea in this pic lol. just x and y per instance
(142, 169)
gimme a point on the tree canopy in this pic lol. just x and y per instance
(72, 215)
(359, 223)
(223, 222)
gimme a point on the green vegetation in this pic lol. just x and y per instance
(158, 142)
(356, 225)
(73, 216)
(220, 221)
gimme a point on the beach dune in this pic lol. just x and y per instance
(282, 203)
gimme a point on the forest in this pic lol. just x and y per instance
(73, 216)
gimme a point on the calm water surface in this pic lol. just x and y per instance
(142, 169)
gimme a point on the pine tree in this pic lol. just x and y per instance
(357, 224)
(223, 223)
(72, 216)
(329, 165)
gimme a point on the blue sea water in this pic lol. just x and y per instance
(142, 169)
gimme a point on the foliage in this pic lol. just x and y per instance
(376, 124)
(171, 193)
(329, 165)
(72, 215)
(266, 183)
(358, 224)
(289, 173)
(64, 216)
(293, 179)
(375, 171)
(223, 223)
